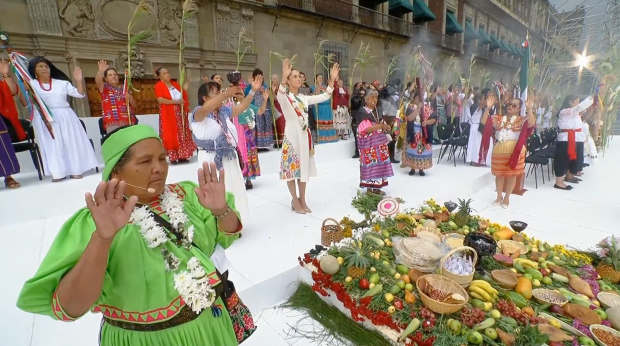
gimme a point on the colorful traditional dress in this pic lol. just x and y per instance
(297, 161)
(173, 125)
(10, 131)
(375, 165)
(247, 119)
(326, 132)
(69, 151)
(507, 132)
(8, 161)
(217, 141)
(419, 152)
(264, 122)
(139, 298)
(340, 107)
(116, 111)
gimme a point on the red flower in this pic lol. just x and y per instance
(248, 321)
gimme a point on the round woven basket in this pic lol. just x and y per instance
(444, 285)
(541, 295)
(460, 239)
(512, 246)
(419, 253)
(331, 233)
(463, 280)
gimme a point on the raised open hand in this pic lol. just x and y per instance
(334, 72)
(491, 100)
(529, 104)
(211, 190)
(232, 91)
(77, 74)
(257, 83)
(4, 67)
(103, 65)
(287, 67)
(265, 94)
(109, 209)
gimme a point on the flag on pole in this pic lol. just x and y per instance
(523, 75)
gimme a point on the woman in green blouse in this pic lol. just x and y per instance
(139, 252)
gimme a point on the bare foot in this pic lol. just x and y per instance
(498, 201)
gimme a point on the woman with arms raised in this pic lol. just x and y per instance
(139, 252)
(297, 164)
(217, 138)
(511, 132)
(173, 124)
(117, 104)
(65, 148)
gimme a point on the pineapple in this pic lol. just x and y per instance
(356, 258)
(461, 218)
(609, 268)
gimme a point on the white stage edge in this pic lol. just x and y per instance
(265, 259)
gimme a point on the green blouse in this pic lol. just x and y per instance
(246, 116)
(137, 288)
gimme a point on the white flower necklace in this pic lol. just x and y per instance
(193, 284)
(505, 128)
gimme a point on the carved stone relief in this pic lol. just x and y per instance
(79, 16)
(138, 62)
(169, 17)
(229, 21)
(44, 15)
(113, 17)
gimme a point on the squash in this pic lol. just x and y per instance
(409, 297)
(503, 234)
(524, 287)
(584, 314)
(554, 333)
(579, 285)
(329, 264)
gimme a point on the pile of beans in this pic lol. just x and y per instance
(606, 337)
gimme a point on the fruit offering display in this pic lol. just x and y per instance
(493, 285)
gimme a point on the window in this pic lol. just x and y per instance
(341, 55)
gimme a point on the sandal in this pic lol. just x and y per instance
(59, 179)
(567, 187)
(11, 183)
(76, 176)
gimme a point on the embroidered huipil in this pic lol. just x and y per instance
(137, 288)
(297, 160)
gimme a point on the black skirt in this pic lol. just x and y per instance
(563, 164)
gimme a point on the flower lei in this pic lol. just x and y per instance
(505, 126)
(193, 285)
(301, 109)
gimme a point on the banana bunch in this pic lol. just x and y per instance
(405, 217)
(526, 263)
(482, 290)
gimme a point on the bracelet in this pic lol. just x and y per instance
(6, 76)
(223, 215)
(251, 93)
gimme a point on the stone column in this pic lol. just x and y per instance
(355, 11)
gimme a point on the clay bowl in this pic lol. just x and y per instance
(608, 300)
(505, 278)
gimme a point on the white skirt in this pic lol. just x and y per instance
(342, 120)
(70, 151)
(473, 146)
(235, 183)
(590, 151)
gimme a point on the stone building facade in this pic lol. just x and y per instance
(74, 33)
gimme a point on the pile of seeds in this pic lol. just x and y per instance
(606, 337)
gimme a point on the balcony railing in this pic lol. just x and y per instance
(341, 10)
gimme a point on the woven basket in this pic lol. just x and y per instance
(512, 246)
(463, 280)
(331, 233)
(445, 285)
(459, 237)
(421, 254)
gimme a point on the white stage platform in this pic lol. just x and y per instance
(265, 259)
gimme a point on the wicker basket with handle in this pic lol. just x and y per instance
(444, 285)
(331, 233)
(463, 280)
